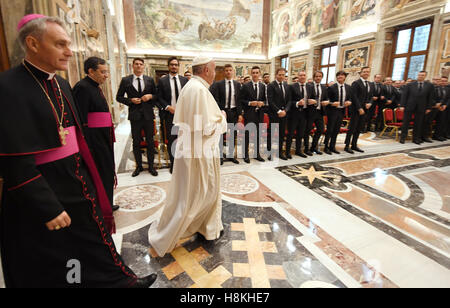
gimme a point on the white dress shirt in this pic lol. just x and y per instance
(233, 100)
(172, 89)
(343, 92)
(135, 82)
(305, 95)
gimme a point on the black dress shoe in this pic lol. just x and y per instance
(348, 150)
(283, 157)
(235, 161)
(335, 151)
(289, 156)
(317, 151)
(152, 171)
(115, 208)
(221, 161)
(269, 158)
(259, 158)
(301, 155)
(357, 149)
(402, 141)
(145, 282)
(309, 153)
(327, 151)
(137, 171)
(171, 168)
(441, 139)
(247, 160)
(417, 142)
(428, 140)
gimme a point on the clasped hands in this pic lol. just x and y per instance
(143, 99)
(258, 104)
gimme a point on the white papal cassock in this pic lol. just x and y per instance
(194, 202)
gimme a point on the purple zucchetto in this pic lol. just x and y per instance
(27, 18)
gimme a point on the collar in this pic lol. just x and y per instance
(136, 77)
(255, 83)
(40, 72)
(316, 84)
(176, 76)
(227, 80)
(201, 80)
(302, 84)
(92, 81)
(363, 80)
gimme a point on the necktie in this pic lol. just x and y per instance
(282, 90)
(367, 92)
(229, 95)
(444, 94)
(139, 85)
(176, 88)
(420, 86)
(318, 97)
(341, 99)
(302, 91)
(255, 88)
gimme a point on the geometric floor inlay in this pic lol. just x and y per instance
(256, 268)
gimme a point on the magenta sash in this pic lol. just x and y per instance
(75, 143)
(67, 150)
(99, 119)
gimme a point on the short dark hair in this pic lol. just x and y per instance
(228, 65)
(93, 63)
(138, 59)
(424, 72)
(171, 59)
(318, 72)
(265, 74)
(279, 70)
(187, 72)
(341, 73)
(445, 77)
(256, 68)
(365, 67)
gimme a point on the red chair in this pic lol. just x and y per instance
(389, 122)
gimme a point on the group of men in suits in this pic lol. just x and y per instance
(294, 110)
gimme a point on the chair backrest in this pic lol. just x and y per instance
(388, 115)
(398, 115)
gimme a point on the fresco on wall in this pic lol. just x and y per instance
(298, 64)
(356, 58)
(233, 26)
(329, 14)
(303, 23)
(362, 8)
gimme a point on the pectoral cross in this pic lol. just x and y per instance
(62, 134)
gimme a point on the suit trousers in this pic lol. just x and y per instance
(232, 119)
(335, 118)
(441, 118)
(136, 129)
(297, 122)
(357, 123)
(418, 124)
(314, 117)
(280, 125)
(428, 121)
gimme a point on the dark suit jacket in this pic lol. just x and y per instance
(333, 96)
(219, 90)
(314, 95)
(165, 94)
(415, 100)
(247, 94)
(275, 98)
(360, 95)
(141, 111)
(440, 97)
(295, 96)
(393, 95)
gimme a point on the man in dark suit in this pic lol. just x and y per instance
(379, 100)
(316, 112)
(392, 96)
(340, 97)
(279, 97)
(362, 94)
(300, 93)
(169, 88)
(141, 98)
(226, 94)
(417, 100)
(252, 99)
(442, 97)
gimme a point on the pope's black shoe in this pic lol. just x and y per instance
(145, 282)
(115, 208)
(152, 171)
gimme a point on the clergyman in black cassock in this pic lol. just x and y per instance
(97, 122)
(443, 97)
(55, 215)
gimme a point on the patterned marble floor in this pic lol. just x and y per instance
(380, 219)
(374, 220)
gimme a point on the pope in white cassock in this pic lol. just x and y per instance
(194, 202)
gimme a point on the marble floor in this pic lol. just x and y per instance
(380, 219)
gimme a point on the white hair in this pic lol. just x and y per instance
(36, 28)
